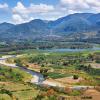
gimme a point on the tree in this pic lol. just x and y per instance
(42, 65)
(18, 63)
(75, 77)
(4, 91)
(44, 72)
(10, 69)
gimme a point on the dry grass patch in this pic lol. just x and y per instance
(95, 65)
(25, 95)
(14, 86)
(69, 80)
(33, 66)
(92, 93)
(5, 97)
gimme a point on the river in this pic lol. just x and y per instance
(38, 77)
(72, 50)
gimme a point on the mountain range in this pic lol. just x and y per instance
(73, 26)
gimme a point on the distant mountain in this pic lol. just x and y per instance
(5, 26)
(31, 29)
(78, 25)
(71, 16)
(26, 30)
(94, 18)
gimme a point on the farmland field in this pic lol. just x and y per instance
(65, 73)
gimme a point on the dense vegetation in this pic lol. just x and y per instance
(69, 64)
(15, 85)
(14, 75)
(15, 46)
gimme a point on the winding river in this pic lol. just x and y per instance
(38, 77)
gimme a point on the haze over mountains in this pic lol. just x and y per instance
(78, 25)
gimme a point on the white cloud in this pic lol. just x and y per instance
(3, 6)
(20, 9)
(81, 5)
(27, 13)
(93, 3)
(5, 11)
(23, 13)
(41, 8)
(17, 18)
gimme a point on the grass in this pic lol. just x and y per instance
(13, 74)
(15, 86)
(16, 80)
(75, 93)
(5, 97)
(55, 61)
(57, 75)
(18, 90)
(25, 95)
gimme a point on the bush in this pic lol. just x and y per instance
(18, 63)
(75, 77)
(4, 91)
(76, 93)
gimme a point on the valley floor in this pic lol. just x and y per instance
(51, 72)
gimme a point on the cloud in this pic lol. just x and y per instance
(17, 19)
(23, 13)
(81, 5)
(26, 13)
(93, 3)
(3, 6)
(20, 9)
(4, 10)
(41, 8)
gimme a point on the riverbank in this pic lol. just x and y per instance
(38, 77)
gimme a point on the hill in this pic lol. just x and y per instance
(78, 25)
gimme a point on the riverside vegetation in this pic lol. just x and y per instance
(67, 68)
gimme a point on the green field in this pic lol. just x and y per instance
(15, 83)
(63, 64)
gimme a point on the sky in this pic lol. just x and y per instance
(21, 11)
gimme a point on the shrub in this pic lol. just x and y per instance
(75, 77)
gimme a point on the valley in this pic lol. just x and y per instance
(66, 74)
(49, 49)
(50, 59)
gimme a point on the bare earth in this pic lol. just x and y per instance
(94, 94)
(68, 80)
(95, 65)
